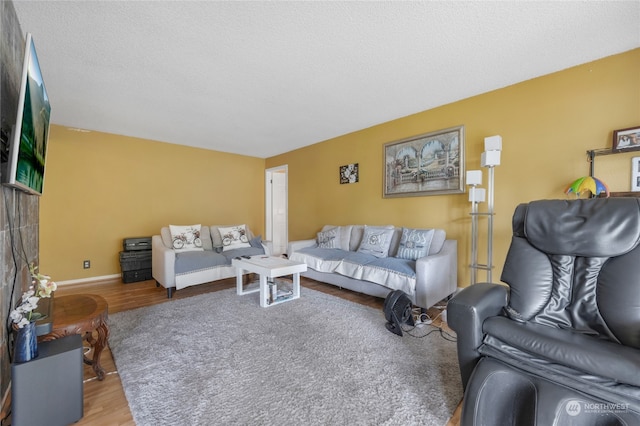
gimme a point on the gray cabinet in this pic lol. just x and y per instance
(48, 390)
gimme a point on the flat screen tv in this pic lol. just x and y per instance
(28, 142)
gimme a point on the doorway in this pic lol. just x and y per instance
(276, 209)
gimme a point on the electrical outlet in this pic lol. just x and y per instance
(86, 264)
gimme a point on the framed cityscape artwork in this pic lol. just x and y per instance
(427, 164)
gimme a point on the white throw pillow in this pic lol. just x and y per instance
(234, 237)
(376, 240)
(329, 239)
(345, 236)
(186, 238)
(414, 243)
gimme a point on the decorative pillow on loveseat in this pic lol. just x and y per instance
(185, 238)
(414, 243)
(234, 237)
(376, 240)
(329, 239)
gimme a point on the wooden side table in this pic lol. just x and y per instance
(86, 315)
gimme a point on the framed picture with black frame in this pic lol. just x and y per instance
(349, 173)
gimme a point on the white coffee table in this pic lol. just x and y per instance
(268, 268)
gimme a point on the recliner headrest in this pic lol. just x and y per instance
(599, 227)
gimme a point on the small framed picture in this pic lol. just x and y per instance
(349, 173)
(626, 139)
(635, 174)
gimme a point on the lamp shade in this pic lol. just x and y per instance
(476, 195)
(490, 158)
(493, 143)
(587, 183)
(474, 177)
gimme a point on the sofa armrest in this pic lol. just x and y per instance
(294, 246)
(466, 313)
(437, 275)
(163, 261)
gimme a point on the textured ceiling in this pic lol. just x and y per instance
(263, 78)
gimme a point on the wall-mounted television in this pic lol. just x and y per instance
(28, 142)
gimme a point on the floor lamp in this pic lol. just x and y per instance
(476, 196)
(490, 159)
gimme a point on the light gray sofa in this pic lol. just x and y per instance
(175, 269)
(426, 280)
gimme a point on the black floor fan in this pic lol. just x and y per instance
(397, 311)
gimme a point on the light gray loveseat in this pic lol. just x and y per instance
(340, 260)
(210, 261)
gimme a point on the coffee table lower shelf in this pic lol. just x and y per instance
(268, 268)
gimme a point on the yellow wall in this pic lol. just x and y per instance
(547, 124)
(100, 188)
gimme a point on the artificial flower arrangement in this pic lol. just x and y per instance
(25, 312)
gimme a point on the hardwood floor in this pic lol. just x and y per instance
(104, 402)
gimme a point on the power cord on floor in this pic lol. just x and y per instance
(443, 333)
(422, 319)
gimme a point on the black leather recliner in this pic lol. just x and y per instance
(560, 344)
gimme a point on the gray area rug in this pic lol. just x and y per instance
(221, 359)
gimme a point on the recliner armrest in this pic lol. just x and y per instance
(466, 313)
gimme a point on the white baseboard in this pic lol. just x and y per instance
(89, 279)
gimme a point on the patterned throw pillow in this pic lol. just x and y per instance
(414, 243)
(234, 237)
(376, 240)
(329, 238)
(186, 238)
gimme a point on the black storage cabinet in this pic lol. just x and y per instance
(135, 259)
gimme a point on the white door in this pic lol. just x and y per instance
(276, 209)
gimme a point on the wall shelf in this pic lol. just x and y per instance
(623, 194)
(591, 156)
(593, 153)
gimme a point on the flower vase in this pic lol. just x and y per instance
(25, 346)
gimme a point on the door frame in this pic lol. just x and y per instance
(268, 203)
